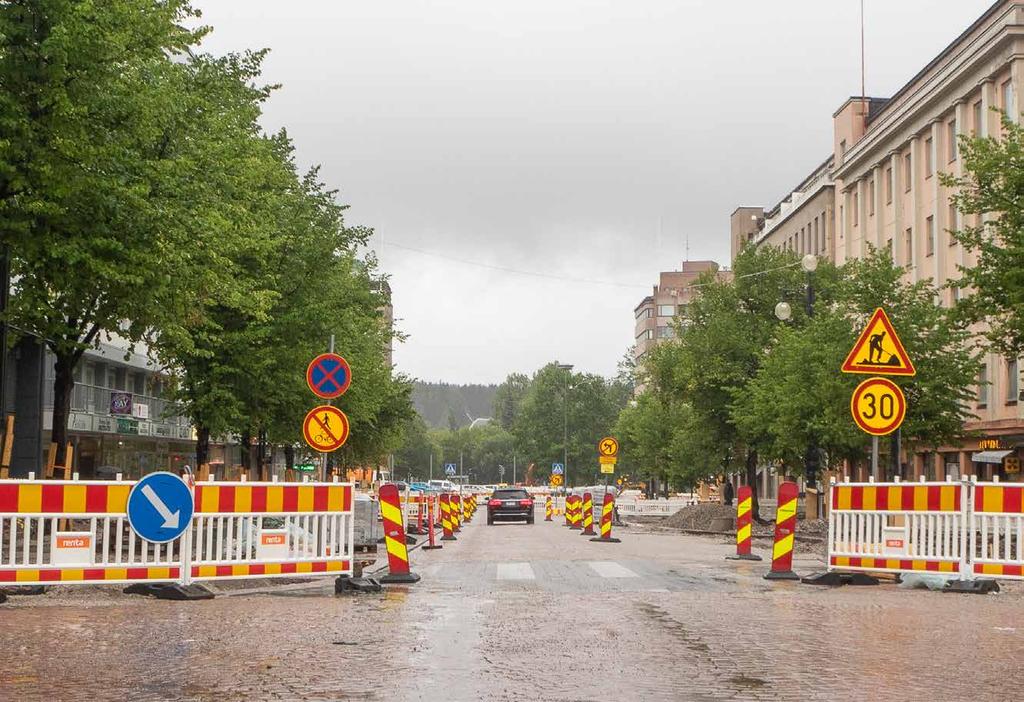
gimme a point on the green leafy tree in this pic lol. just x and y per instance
(991, 191)
(507, 399)
(122, 147)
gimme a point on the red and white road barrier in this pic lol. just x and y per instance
(744, 521)
(607, 514)
(238, 530)
(785, 531)
(394, 537)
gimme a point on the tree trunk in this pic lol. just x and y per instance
(289, 456)
(63, 384)
(245, 449)
(755, 509)
(202, 447)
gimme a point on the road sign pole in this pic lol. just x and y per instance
(874, 458)
(894, 459)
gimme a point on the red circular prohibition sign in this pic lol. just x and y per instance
(898, 411)
(328, 376)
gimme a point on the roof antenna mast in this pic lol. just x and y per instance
(863, 91)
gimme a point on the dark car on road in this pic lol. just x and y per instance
(510, 503)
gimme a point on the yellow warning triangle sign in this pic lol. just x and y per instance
(878, 350)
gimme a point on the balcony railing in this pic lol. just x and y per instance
(94, 399)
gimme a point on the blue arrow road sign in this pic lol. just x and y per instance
(557, 469)
(160, 507)
(449, 469)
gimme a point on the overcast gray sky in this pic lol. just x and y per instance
(579, 140)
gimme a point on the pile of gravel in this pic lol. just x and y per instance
(701, 516)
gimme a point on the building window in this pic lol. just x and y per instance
(1007, 97)
(856, 209)
(952, 223)
(908, 243)
(645, 313)
(930, 232)
(817, 235)
(929, 167)
(977, 118)
(889, 248)
(665, 332)
(842, 148)
(1012, 381)
(983, 386)
(871, 196)
(888, 185)
(954, 293)
(951, 136)
(645, 335)
(908, 172)
(666, 310)
(842, 226)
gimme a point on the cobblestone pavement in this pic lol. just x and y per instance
(516, 612)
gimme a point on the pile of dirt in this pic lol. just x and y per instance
(700, 517)
(804, 527)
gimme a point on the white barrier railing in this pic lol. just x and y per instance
(964, 528)
(650, 508)
(72, 531)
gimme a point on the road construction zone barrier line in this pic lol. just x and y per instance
(785, 533)
(78, 531)
(997, 531)
(744, 524)
(394, 538)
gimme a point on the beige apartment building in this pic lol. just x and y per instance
(881, 189)
(669, 298)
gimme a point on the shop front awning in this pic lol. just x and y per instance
(990, 456)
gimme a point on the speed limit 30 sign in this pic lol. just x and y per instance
(878, 406)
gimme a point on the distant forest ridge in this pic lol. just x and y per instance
(443, 404)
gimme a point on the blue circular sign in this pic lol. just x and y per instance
(160, 507)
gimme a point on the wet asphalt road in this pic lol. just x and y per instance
(516, 612)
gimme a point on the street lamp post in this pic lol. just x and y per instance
(783, 311)
(567, 367)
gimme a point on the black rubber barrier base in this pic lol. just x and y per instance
(833, 579)
(400, 579)
(606, 541)
(744, 557)
(345, 585)
(428, 547)
(781, 575)
(972, 587)
(170, 591)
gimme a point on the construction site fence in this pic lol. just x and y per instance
(963, 528)
(75, 531)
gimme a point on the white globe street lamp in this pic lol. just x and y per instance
(783, 311)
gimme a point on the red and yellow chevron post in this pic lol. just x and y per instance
(574, 512)
(566, 511)
(394, 537)
(446, 518)
(547, 509)
(785, 529)
(455, 501)
(467, 509)
(607, 514)
(587, 518)
(744, 518)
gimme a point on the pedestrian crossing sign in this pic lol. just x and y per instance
(878, 350)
